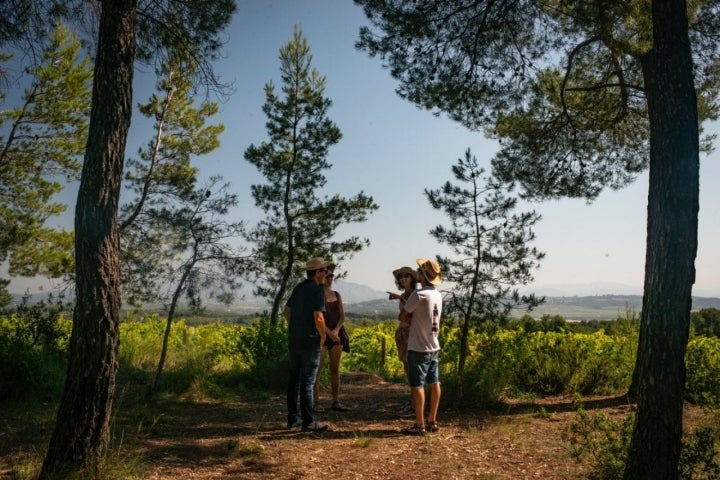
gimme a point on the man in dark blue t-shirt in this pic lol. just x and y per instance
(306, 333)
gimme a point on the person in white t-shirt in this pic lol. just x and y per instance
(423, 310)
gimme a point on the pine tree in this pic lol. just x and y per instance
(128, 30)
(490, 243)
(175, 238)
(299, 224)
(162, 175)
(41, 149)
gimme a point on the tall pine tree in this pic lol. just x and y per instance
(299, 223)
(128, 30)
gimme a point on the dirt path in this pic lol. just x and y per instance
(248, 440)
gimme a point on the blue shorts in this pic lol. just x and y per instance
(423, 368)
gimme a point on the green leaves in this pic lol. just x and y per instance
(489, 240)
(44, 139)
(299, 222)
(559, 84)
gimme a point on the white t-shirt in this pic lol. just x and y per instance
(425, 305)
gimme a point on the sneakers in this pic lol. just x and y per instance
(315, 427)
(338, 407)
(414, 430)
(293, 423)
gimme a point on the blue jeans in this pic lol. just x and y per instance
(303, 368)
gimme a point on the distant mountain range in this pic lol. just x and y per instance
(363, 301)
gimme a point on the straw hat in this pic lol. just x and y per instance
(410, 271)
(318, 263)
(431, 270)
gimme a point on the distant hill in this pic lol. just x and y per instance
(595, 307)
(362, 301)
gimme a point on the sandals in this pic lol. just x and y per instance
(414, 430)
(432, 427)
(338, 407)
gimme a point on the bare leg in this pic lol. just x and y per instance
(335, 354)
(418, 401)
(316, 387)
(434, 401)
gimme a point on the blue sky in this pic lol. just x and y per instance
(392, 151)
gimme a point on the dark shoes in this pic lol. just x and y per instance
(414, 430)
(338, 407)
(293, 423)
(315, 427)
(431, 427)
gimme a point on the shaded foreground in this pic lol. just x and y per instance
(246, 438)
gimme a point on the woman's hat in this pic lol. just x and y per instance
(318, 263)
(410, 271)
(431, 270)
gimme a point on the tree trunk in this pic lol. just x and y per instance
(465, 332)
(168, 325)
(81, 432)
(671, 246)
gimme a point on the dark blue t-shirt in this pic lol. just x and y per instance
(307, 298)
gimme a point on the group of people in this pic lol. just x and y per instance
(315, 318)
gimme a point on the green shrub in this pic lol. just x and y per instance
(33, 351)
(263, 348)
(550, 363)
(702, 360)
(604, 440)
(373, 350)
(198, 358)
(490, 366)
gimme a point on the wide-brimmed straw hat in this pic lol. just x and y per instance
(410, 271)
(431, 270)
(318, 263)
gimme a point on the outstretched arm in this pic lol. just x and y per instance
(320, 326)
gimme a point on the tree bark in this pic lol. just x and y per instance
(81, 432)
(673, 204)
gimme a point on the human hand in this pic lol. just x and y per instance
(393, 296)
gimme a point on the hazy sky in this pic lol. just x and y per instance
(392, 151)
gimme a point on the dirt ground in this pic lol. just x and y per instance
(246, 438)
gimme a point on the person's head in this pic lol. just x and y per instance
(405, 278)
(316, 268)
(330, 275)
(428, 272)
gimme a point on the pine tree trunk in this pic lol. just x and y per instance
(671, 246)
(465, 333)
(81, 432)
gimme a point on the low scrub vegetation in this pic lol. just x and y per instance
(525, 358)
